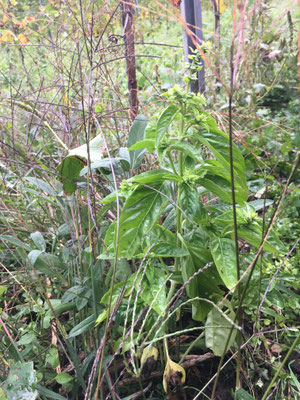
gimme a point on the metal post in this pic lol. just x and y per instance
(192, 14)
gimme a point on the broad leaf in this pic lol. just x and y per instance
(38, 240)
(155, 288)
(205, 284)
(148, 144)
(213, 167)
(188, 149)
(188, 200)
(155, 176)
(164, 121)
(223, 252)
(69, 172)
(218, 141)
(141, 211)
(217, 186)
(165, 250)
(160, 234)
(62, 378)
(252, 233)
(136, 134)
(86, 325)
(217, 330)
(95, 149)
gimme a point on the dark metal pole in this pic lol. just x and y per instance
(192, 13)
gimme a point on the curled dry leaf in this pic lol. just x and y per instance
(174, 375)
(149, 351)
(148, 360)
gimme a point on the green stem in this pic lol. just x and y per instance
(190, 347)
(281, 366)
(178, 216)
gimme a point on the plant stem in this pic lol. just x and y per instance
(281, 366)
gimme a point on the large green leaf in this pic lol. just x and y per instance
(189, 200)
(221, 188)
(223, 252)
(252, 233)
(188, 149)
(218, 142)
(136, 134)
(155, 176)
(148, 144)
(69, 172)
(155, 288)
(164, 121)
(217, 329)
(159, 234)
(83, 326)
(165, 250)
(214, 167)
(205, 284)
(141, 211)
(38, 240)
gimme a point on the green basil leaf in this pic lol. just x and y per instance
(155, 288)
(188, 149)
(155, 176)
(220, 142)
(205, 284)
(223, 252)
(165, 250)
(252, 233)
(222, 188)
(140, 212)
(188, 200)
(164, 121)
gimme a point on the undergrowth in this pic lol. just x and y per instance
(156, 257)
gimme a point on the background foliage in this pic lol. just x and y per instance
(74, 317)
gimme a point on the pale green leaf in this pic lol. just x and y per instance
(217, 330)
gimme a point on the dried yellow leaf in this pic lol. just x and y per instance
(149, 351)
(22, 38)
(173, 371)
